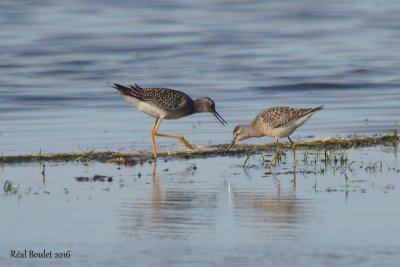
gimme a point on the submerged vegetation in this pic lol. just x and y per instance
(318, 144)
(9, 188)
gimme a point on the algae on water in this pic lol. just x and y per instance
(205, 151)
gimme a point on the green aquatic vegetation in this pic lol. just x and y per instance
(376, 166)
(346, 179)
(317, 155)
(350, 164)
(84, 155)
(370, 167)
(317, 158)
(328, 144)
(394, 132)
(327, 157)
(305, 156)
(338, 159)
(343, 159)
(8, 187)
(279, 158)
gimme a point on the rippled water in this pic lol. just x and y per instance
(207, 212)
(58, 60)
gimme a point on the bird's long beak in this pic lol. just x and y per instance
(230, 146)
(219, 117)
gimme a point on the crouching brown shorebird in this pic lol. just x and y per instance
(164, 103)
(275, 122)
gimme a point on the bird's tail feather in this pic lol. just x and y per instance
(316, 109)
(319, 108)
(133, 91)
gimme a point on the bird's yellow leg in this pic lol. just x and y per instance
(277, 153)
(179, 137)
(293, 145)
(152, 133)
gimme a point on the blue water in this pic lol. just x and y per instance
(58, 61)
(206, 212)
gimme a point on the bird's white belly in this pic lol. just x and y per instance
(133, 101)
(150, 110)
(281, 132)
(145, 107)
(289, 128)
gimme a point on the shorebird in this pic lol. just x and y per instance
(275, 122)
(164, 103)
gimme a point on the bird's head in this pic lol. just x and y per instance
(206, 104)
(239, 133)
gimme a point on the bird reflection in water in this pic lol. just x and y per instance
(178, 205)
(275, 215)
(167, 211)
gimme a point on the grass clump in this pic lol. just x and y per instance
(394, 132)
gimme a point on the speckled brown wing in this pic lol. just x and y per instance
(167, 99)
(277, 117)
(164, 98)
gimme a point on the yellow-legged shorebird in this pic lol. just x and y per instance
(164, 103)
(275, 122)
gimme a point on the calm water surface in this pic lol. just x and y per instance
(58, 61)
(207, 212)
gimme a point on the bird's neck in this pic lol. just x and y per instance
(198, 106)
(249, 131)
(252, 131)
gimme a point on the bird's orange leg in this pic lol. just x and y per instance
(179, 137)
(152, 133)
